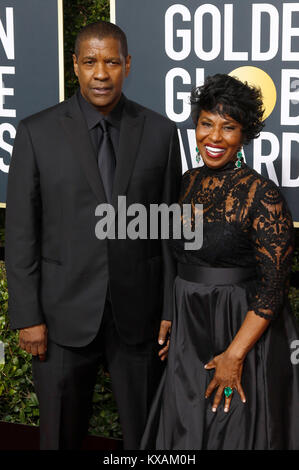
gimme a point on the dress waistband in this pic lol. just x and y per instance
(209, 275)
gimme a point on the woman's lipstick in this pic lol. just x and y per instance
(214, 151)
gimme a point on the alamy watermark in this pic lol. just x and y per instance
(295, 354)
(158, 221)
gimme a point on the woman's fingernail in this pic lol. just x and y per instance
(244, 401)
(214, 409)
(225, 410)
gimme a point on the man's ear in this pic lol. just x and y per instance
(75, 63)
(128, 65)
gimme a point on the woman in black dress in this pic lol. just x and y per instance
(230, 382)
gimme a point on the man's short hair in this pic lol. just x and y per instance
(101, 29)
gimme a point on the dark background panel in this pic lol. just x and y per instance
(36, 78)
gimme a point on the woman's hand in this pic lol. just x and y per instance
(228, 372)
(164, 334)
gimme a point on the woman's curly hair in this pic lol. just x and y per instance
(227, 95)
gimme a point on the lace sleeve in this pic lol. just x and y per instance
(273, 239)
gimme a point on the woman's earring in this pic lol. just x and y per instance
(198, 156)
(239, 160)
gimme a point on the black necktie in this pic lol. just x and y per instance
(106, 160)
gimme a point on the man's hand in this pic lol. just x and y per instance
(165, 327)
(34, 340)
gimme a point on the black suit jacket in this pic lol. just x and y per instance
(58, 270)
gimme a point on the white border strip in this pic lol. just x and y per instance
(112, 11)
(60, 49)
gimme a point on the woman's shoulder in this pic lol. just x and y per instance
(262, 183)
(265, 190)
(190, 174)
(191, 171)
(187, 183)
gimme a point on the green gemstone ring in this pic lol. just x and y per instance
(228, 391)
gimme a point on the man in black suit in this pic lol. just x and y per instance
(77, 299)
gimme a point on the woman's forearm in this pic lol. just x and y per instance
(250, 332)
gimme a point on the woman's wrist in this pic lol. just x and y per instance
(250, 332)
(235, 352)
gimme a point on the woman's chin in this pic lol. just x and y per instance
(214, 162)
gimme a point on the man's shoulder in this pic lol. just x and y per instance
(150, 114)
(47, 114)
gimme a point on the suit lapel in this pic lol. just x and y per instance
(78, 137)
(129, 141)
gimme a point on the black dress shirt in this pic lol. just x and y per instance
(93, 117)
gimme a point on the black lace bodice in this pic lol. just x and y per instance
(246, 222)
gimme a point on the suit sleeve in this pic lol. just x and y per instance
(22, 234)
(171, 192)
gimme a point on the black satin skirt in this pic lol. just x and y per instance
(206, 318)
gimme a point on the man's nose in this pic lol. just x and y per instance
(101, 72)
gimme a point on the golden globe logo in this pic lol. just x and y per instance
(255, 76)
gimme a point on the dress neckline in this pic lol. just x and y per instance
(227, 168)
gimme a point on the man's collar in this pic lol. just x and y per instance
(93, 116)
